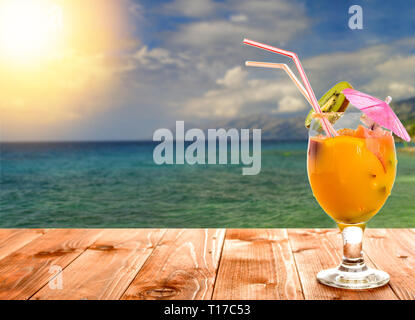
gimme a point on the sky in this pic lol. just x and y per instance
(120, 69)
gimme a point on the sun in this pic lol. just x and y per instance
(28, 29)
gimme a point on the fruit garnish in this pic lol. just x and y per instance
(332, 101)
(371, 140)
(361, 132)
(380, 158)
(346, 132)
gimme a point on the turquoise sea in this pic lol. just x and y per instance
(117, 184)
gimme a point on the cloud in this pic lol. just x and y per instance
(274, 21)
(233, 78)
(237, 96)
(158, 58)
(193, 8)
(401, 89)
(238, 18)
(289, 104)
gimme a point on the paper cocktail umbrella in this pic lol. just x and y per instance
(378, 110)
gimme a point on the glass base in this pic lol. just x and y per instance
(362, 279)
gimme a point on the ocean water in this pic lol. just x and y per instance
(117, 184)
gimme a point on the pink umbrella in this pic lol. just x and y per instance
(378, 110)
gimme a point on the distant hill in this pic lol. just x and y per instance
(405, 110)
(278, 128)
(273, 127)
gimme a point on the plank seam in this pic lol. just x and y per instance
(144, 263)
(295, 264)
(219, 262)
(377, 267)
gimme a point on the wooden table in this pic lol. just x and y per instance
(193, 263)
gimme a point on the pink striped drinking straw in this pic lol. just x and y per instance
(328, 128)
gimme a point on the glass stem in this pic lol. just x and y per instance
(352, 249)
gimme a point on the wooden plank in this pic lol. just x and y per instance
(393, 251)
(107, 267)
(183, 266)
(13, 239)
(257, 264)
(318, 249)
(26, 270)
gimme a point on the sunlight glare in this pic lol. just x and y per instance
(28, 29)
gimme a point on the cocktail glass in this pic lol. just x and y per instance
(351, 176)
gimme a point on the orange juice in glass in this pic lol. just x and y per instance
(351, 176)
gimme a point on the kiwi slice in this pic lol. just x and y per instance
(332, 101)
